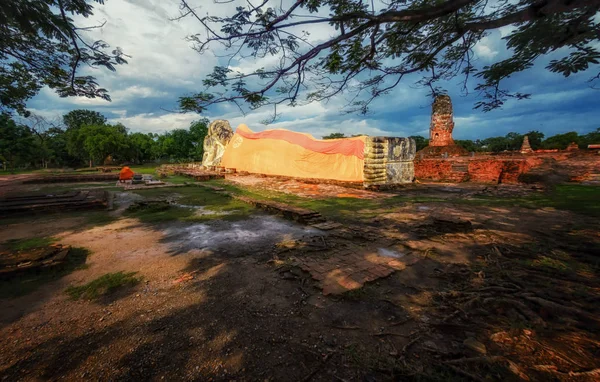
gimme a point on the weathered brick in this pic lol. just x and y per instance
(362, 276)
(380, 271)
(363, 264)
(349, 283)
(411, 259)
(318, 275)
(397, 265)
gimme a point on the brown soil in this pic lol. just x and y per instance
(511, 296)
(8, 183)
(307, 190)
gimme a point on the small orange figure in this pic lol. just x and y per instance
(126, 174)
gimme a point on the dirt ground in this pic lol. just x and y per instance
(501, 292)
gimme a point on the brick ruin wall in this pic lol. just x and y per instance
(384, 171)
(481, 170)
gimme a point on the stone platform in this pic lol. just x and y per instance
(71, 200)
(20, 261)
(350, 270)
(102, 177)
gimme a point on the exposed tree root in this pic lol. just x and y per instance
(555, 306)
(498, 289)
(401, 322)
(595, 373)
(459, 361)
(409, 344)
(464, 373)
(524, 309)
(513, 367)
(385, 334)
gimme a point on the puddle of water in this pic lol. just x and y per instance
(423, 208)
(124, 199)
(389, 253)
(202, 210)
(255, 233)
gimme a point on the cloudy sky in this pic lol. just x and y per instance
(163, 67)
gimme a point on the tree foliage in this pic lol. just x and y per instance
(198, 131)
(561, 141)
(83, 137)
(98, 142)
(76, 119)
(535, 139)
(40, 45)
(334, 136)
(374, 45)
(420, 141)
(469, 145)
(16, 142)
(513, 141)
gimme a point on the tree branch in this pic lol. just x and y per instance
(73, 40)
(535, 11)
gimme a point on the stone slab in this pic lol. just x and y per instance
(343, 272)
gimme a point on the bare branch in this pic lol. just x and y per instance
(375, 50)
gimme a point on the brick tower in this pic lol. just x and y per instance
(442, 123)
(526, 147)
(441, 144)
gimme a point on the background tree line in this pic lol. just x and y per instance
(84, 137)
(511, 141)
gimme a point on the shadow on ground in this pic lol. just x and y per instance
(513, 296)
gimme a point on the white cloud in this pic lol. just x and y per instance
(163, 66)
(153, 123)
(136, 92)
(157, 46)
(550, 122)
(485, 49)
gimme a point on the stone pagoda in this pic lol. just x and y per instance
(526, 147)
(573, 147)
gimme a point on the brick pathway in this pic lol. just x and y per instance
(347, 271)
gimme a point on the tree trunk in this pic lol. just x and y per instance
(90, 162)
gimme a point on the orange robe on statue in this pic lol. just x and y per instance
(288, 153)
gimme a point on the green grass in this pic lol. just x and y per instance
(582, 199)
(153, 215)
(550, 264)
(343, 209)
(103, 285)
(578, 198)
(222, 206)
(97, 218)
(16, 171)
(92, 218)
(28, 281)
(24, 244)
(176, 179)
(148, 168)
(338, 208)
(62, 188)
